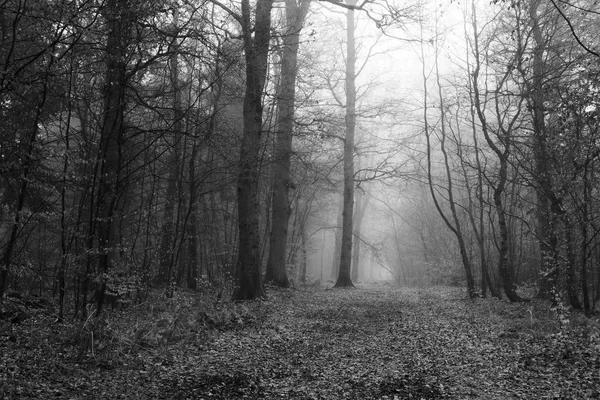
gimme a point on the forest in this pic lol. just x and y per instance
(299, 199)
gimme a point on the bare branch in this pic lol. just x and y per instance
(235, 15)
(347, 6)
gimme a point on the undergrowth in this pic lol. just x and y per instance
(160, 321)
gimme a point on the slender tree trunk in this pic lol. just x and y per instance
(479, 224)
(503, 133)
(458, 230)
(148, 217)
(546, 221)
(168, 236)
(344, 279)
(303, 256)
(337, 248)
(597, 294)
(88, 212)
(64, 247)
(504, 268)
(217, 237)
(359, 214)
(453, 225)
(276, 264)
(399, 250)
(112, 136)
(249, 282)
(585, 242)
(571, 263)
(192, 223)
(167, 241)
(486, 281)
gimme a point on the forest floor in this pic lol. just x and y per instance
(370, 342)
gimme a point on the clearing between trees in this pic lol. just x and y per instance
(372, 342)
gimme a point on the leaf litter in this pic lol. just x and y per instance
(372, 342)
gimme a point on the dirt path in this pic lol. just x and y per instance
(365, 343)
(390, 343)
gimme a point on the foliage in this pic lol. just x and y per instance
(444, 272)
(377, 342)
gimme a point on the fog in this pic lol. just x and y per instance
(400, 235)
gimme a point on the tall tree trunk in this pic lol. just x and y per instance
(504, 266)
(192, 223)
(256, 47)
(303, 256)
(453, 225)
(479, 224)
(503, 133)
(344, 279)
(168, 239)
(167, 235)
(546, 221)
(401, 264)
(217, 239)
(458, 230)
(112, 135)
(571, 279)
(178, 266)
(64, 246)
(585, 248)
(359, 213)
(280, 212)
(337, 247)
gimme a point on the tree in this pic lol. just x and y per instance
(276, 264)
(546, 205)
(453, 222)
(507, 113)
(344, 278)
(256, 47)
(28, 83)
(119, 18)
(359, 213)
(168, 242)
(478, 224)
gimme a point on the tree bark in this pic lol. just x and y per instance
(504, 267)
(502, 152)
(64, 246)
(344, 279)
(359, 213)
(168, 240)
(453, 225)
(548, 240)
(256, 47)
(118, 17)
(571, 279)
(585, 248)
(479, 224)
(337, 248)
(458, 230)
(276, 273)
(192, 222)
(303, 256)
